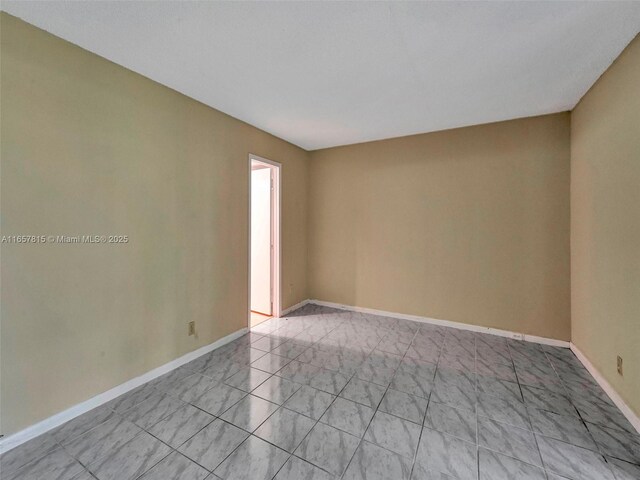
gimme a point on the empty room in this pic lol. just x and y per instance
(319, 240)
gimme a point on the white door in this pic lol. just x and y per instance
(261, 238)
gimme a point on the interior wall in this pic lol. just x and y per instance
(90, 148)
(469, 225)
(605, 224)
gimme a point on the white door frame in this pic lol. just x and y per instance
(276, 194)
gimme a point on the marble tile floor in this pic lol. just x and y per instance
(326, 394)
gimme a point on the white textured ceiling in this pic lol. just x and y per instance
(320, 74)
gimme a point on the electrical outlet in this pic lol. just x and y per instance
(619, 365)
(192, 328)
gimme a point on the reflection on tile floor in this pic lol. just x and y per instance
(326, 394)
(256, 318)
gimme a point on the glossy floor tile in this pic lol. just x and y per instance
(457, 422)
(310, 402)
(57, 464)
(131, 460)
(176, 467)
(326, 394)
(296, 469)
(98, 441)
(255, 459)
(494, 466)
(328, 448)
(393, 433)
(181, 425)
(213, 444)
(348, 416)
(371, 462)
(514, 442)
(285, 429)
(447, 454)
(249, 412)
(404, 406)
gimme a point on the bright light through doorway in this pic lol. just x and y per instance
(264, 243)
(257, 318)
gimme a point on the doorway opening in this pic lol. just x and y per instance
(264, 240)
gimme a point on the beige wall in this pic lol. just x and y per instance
(605, 224)
(469, 225)
(89, 147)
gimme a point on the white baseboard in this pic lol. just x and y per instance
(294, 307)
(18, 438)
(609, 390)
(447, 323)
